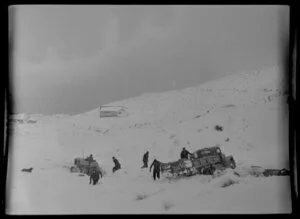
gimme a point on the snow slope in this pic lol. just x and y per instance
(250, 106)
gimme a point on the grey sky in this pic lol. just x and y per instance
(71, 59)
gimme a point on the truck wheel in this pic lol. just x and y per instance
(199, 170)
(213, 169)
(206, 171)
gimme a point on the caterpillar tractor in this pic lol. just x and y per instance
(203, 161)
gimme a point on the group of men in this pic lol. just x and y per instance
(157, 164)
(95, 175)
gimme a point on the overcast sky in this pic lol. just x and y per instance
(71, 59)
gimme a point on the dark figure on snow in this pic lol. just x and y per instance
(90, 159)
(117, 165)
(185, 154)
(145, 159)
(156, 171)
(95, 176)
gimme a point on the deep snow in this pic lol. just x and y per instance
(250, 106)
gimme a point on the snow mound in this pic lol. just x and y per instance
(226, 178)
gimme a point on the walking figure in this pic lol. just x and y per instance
(117, 165)
(156, 169)
(145, 159)
(95, 176)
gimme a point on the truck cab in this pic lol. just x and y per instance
(212, 156)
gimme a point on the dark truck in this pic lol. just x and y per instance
(203, 161)
(207, 160)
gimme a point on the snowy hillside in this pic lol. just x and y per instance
(249, 106)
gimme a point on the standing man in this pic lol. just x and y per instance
(90, 159)
(185, 154)
(117, 165)
(156, 171)
(95, 176)
(145, 159)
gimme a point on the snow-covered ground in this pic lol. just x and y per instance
(250, 106)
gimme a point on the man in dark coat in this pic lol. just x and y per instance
(185, 154)
(156, 171)
(90, 159)
(117, 165)
(145, 159)
(95, 176)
